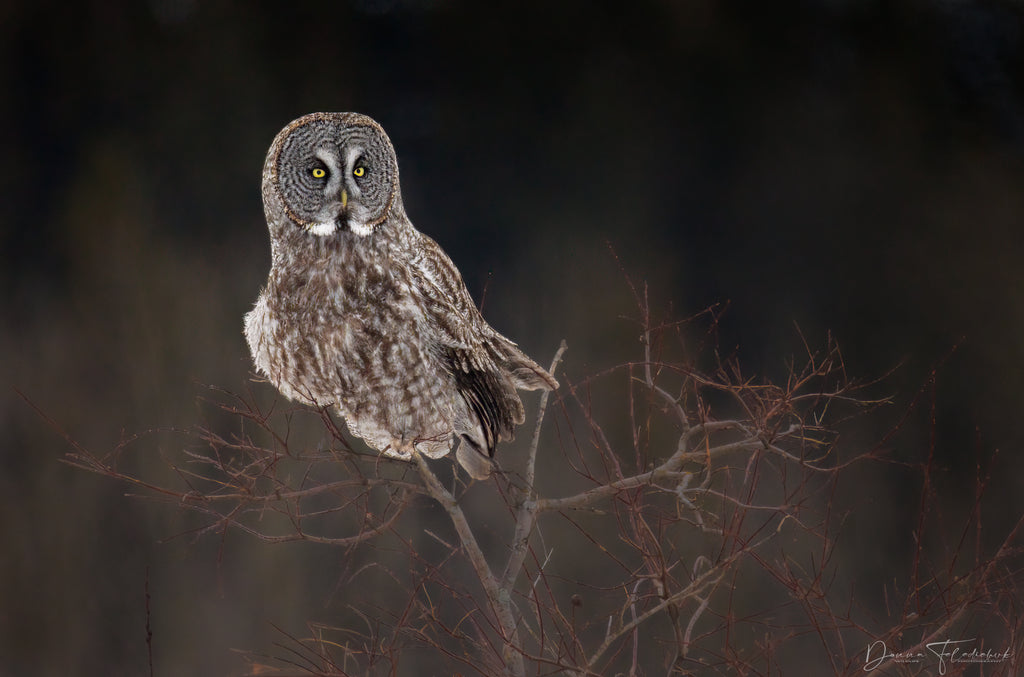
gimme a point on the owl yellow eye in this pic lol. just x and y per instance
(359, 171)
(319, 173)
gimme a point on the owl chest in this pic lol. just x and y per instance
(352, 333)
(361, 301)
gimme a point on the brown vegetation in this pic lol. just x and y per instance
(677, 517)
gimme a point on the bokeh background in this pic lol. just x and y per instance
(849, 166)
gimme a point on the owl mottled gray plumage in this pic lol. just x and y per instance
(363, 312)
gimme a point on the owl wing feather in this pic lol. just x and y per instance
(460, 321)
(487, 367)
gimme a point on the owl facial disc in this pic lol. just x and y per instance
(332, 172)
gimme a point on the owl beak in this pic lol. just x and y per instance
(342, 218)
(340, 221)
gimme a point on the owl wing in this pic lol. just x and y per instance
(459, 323)
(486, 367)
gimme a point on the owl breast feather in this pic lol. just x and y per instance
(346, 331)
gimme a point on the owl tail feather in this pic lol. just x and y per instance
(473, 459)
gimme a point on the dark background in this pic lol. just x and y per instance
(846, 166)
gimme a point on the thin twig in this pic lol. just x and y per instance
(526, 515)
(531, 458)
(499, 603)
(667, 470)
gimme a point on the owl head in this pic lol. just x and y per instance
(330, 172)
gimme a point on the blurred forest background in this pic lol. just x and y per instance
(852, 166)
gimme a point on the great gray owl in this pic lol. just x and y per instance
(363, 312)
